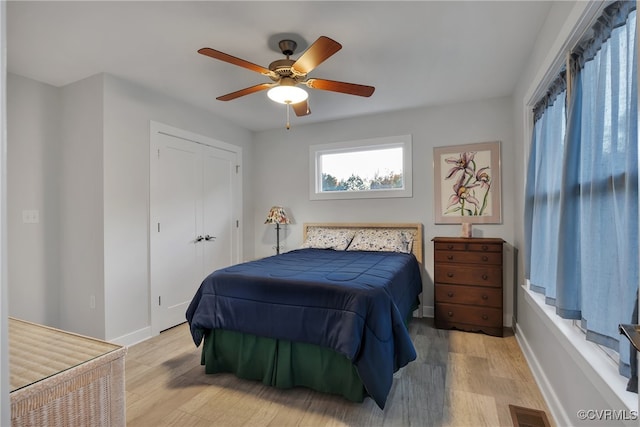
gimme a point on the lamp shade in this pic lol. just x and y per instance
(277, 215)
(287, 94)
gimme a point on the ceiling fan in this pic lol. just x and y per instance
(287, 74)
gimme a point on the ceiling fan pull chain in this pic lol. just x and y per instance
(288, 126)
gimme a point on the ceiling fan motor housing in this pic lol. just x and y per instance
(282, 67)
(287, 47)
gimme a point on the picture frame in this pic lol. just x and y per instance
(467, 183)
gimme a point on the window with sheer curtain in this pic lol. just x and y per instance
(581, 208)
(543, 189)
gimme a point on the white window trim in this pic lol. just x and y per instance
(315, 175)
(593, 362)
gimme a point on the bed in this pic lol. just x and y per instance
(330, 316)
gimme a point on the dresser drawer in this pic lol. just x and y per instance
(485, 247)
(483, 316)
(478, 276)
(494, 258)
(470, 295)
(450, 246)
(468, 244)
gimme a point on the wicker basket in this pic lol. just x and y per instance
(63, 379)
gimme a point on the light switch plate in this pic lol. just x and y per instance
(30, 216)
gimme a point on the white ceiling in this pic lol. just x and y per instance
(418, 53)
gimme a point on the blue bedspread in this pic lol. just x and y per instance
(353, 302)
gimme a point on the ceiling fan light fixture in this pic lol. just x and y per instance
(287, 94)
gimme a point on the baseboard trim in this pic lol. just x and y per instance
(427, 311)
(134, 337)
(557, 411)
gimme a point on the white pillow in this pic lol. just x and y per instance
(386, 240)
(328, 238)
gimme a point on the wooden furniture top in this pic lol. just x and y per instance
(468, 239)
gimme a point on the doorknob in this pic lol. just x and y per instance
(199, 239)
(209, 238)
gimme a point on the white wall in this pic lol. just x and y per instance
(4, 310)
(282, 175)
(85, 149)
(81, 208)
(128, 108)
(34, 117)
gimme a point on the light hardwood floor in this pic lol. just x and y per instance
(459, 379)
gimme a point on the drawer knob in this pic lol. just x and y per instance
(450, 314)
(449, 274)
(485, 296)
(449, 257)
(450, 247)
(485, 247)
(485, 258)
(485, 277)
(450, 294)
(485, 317)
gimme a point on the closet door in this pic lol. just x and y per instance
(193, 222)
(177, 203)
(218, 219)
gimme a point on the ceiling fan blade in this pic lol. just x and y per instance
(301, 108)
(316, 54)
(216, 54)
(245, 91)
(342, 87)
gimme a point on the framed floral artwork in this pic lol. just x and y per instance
(467, 183)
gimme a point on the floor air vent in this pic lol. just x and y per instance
(527, 417)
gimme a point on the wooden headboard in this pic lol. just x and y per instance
(414, 228)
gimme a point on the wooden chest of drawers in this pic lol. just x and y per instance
(468, 284)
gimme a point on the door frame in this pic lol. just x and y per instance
(156, 129)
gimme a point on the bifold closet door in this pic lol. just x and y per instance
(218, 219)
(191, 231)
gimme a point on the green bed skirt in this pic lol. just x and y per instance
(281, 363)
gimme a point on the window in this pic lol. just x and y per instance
(582, 186)
(544, 188)
(371, 168)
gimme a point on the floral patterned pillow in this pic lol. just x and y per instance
(382, 240)
(328, 238)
